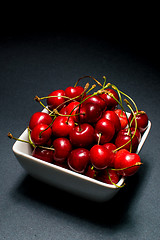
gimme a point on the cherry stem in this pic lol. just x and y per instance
(30, 141)
(113, 182)
(88, 77)
(99, 138)
(121, 169)
(130, 100)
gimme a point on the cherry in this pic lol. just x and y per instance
(90, 113)
(122, 117)
(40, 134)
(73, 92)
(103, 176)
(62, 148)
(90, 172)
(112, 116)
(78, 160)
(62, 126)
(123, 137)
(111, 147)
(70, 107)
(142, 121)
(39, 117)
(107, 130)
(95, 100)
(100, 157)
(110, 101)
(138, 134)
(125, 159)
(54, 102)
(43, 154)
(82, 136)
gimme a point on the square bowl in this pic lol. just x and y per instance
(66, 179)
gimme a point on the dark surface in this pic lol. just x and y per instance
(38, 62)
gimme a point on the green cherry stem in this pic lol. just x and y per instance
(122, 169)
(113, 182)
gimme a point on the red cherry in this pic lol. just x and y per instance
(78, 159)
(55, 102)
(103, 176)
(142, 121)
(112, 116)
(125, 159)
(100, 157)
(138, 134)
(62, 148)
(70, 107)
(43, 154)
(122, 117)
(95, 100)
(73, 92)
(39, 136)
(110, 102)
(123, 137)
(111, 147)
(61, 126)
(90, 113)
(82, 136)
(39, 117)
(107, 130)
(91, 172)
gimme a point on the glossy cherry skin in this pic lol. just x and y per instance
(78, 159)
(122, 117)
(62, 148)
(138, 134)
(39, 138)
(90, 172)
(82, 136)
(39, 117)
(123, 137)
(110, 102)
(125, 159)
(107, 130)
(90, 113)
(99, 157)
(73, 105)
(73, 92)
(58, 101)
(43, 154)
(103, 176)
(111, 147)
(112, 116)
(95, 100)
(61, 127)
(142, 121)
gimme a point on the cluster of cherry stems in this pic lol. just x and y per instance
(87, 132)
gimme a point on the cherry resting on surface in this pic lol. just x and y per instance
(82, 136)
(107, 130)
(78, 159)
(61, 126)
(124, 159)
(103, 176)
(43, 154)
(62, 148)
(89, 113)
(100, 157)
(73, 92)
(112, 116)
(54, 102)
(110, 102)
(142, 121)
(41, 134)
(39, 117)
(122, 117)
(123, 137)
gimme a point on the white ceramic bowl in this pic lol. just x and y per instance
(66, 179)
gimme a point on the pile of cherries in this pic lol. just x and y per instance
(89, 132)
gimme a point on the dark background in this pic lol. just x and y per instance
(37, 57)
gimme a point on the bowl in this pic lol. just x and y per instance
(66, 179)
